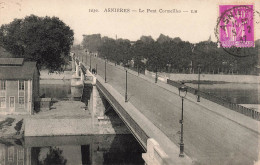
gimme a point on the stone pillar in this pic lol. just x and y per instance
(155, 155)
(82, 76)
(96, 106)
(94, 80)
(77, 69)
(73, 65)
(72, 61)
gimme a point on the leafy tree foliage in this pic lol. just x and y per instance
(54, 156)
(176, 56)
(118, 51)
(91, 42)
(46, 40)
(147, 39)
(163, 38)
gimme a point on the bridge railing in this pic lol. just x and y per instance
(134, 127)
(77, 61)
(221, 101)
(84, 69)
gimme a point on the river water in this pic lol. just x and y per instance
(239, 93)
(72, 150)
(59, 89)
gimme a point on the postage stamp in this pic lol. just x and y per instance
(236, 26)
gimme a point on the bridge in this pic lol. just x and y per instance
(213, 133)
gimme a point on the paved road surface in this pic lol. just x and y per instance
(208, 137)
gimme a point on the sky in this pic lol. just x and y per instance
(193, 27)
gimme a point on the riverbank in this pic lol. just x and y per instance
(66, 75)
(220, 78)
(217, 78)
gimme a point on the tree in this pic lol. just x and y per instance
(54, 157)
(46, 40)
(107, 48)
(123, 51)
(154, 62)
(91, 42)
(174, 55)
(163, 38)
(177, 39)
(138, 52)
(118, 51)
(147, 39)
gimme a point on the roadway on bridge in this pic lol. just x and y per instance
(208, 137)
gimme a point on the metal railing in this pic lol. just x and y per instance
(221, 101)
(134, 127)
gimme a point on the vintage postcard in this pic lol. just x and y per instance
(111, 82)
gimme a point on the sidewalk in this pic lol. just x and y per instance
(209, 105)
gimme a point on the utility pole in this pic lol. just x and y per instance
(96, 68)
(156, 76)
(125, 85)
(198, 98)
(105, 70)
(90, 62)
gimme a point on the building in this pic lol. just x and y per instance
(14, 155)
(19, 86)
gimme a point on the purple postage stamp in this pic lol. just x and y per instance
(236, 26)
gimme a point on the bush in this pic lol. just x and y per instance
(7, 122)
(18, 125)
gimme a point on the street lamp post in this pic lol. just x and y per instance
(81, 57)
(198, 97)
(105, 69)
(182, 94)
(156, 76)
(126, 85)
(138, 69)
(86, 56)
(90, 62)
(96, 68)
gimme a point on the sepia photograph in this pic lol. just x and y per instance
(129, 82)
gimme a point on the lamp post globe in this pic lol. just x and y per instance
(183, 90)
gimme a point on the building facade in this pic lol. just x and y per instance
(19, 86)
(14, 155)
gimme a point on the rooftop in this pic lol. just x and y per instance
(11, 61)
(16, 68)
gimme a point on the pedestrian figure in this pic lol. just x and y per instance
(93, 71)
